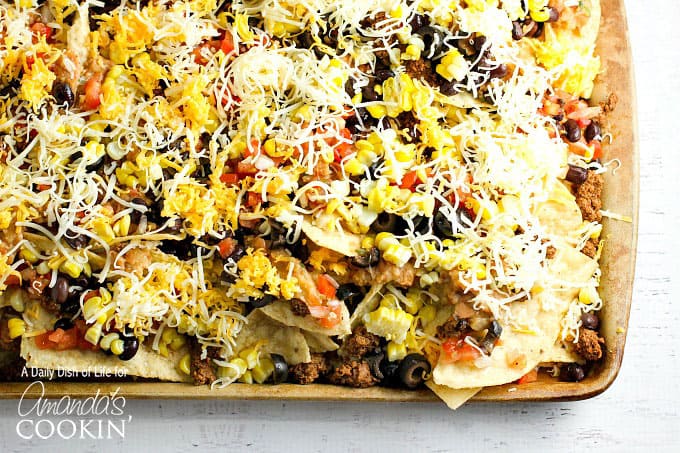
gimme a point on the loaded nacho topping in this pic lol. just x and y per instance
(354, 192)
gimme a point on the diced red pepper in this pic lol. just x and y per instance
(456, 349)
(409, 181)
(227, 44)
(597, 149)
(253, 199)
(12, 280)
(343, 148)
(245, 168)
(93, 91)
(325, 286)
(230, 178)
(531, 376)
(42, 341)
(226, 247)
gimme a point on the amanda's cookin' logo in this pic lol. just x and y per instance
(95, 417)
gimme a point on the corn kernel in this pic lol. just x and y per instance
(185, 364)
(103, 229)
(388, 323)
(262, 370)
(163, 349)
(413, 302)
(106, 341)
(43, 268)
(177, 342)
(122, 226)
(240, 364)
(395, 351)
(247, 377)
(384, 240)
(16, 327)
(93, 333)
(588, 295)
(251, 356)
(71, 268)
(377, 111)
(55, 262)
(397, 254)
(452, 66)
(117, 346)
(91, 307)
(28, 255)
(101, 319)
(540, 16)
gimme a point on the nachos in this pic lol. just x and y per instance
(360, 193)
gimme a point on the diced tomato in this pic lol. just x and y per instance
(226, 247)
(230, 178)
(597, 149)
(409, 181)
(325, 286)
(93, 91)
(42, 341)
(89, 295)
(42, 187)
(456, 349)
(40, 29)
(227, 44)
(56, 336)
(253, 149)
(253, 199)
(531, 376)
(69, 340)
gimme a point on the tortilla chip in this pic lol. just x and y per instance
(281, 311)
(146, 363)
(558, 353)
(275, 338)
(318, 342)
(368, 304)
(453, 398)
(560, 215)
(342, 242)
(572, 269)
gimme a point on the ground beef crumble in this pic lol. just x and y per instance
(202, 371)
(353, 373)
(299, 307)
(589, 345)
(360, 343)
(306, 373)
(589, 197)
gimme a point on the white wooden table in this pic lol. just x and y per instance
(638, 413)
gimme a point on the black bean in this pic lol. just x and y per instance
(532, 29)
(576, 174)
(76, 241)
(572, 130)
(280, 373)
(262, 301)
(368, 93)
(367, 258)
(479, 42)
(466, 46)
(277, 234)
(71, 306)
(383, 74)
(373, 168)
(63, 323)
(99, 163)
(60, 291)
(174, 226)
(499, 71)
(449, 88)
(306, 40)
(412, 370)
(573, 372)
(418, 21)
(593, 131)
(130, 347)
(238, 253)
(590, 321)
(63, 94)
(495, 330)
(554, 14)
